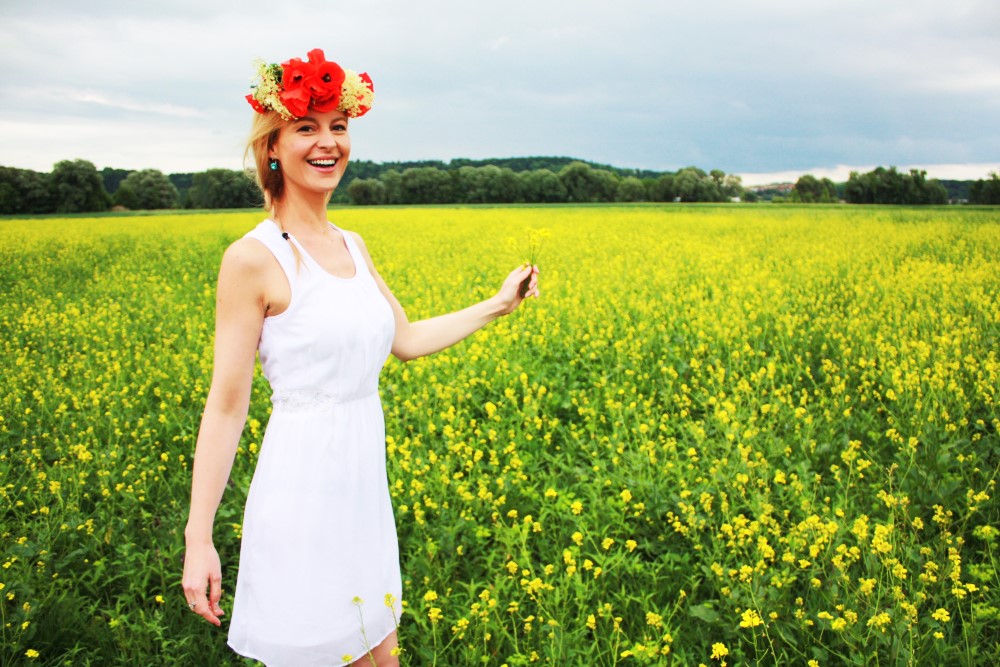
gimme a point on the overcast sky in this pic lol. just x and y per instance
(762, 88)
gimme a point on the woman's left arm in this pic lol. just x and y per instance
(418, 339)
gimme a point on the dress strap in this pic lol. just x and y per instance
(360, 265)
(268, 233)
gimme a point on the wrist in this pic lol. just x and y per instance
(194, 534)
(494, 308)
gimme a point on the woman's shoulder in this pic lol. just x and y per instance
(246, 254)
(362, 248)
(357, 239)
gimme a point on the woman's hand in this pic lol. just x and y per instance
(511, 293)
(202, 581)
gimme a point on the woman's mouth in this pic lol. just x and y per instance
(328, 162)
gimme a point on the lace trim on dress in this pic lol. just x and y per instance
(305, 400)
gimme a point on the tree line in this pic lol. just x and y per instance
(76, 186)
(575, 182)
(986, 191)
(889, 186)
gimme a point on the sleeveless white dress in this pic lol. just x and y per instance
(319, 558)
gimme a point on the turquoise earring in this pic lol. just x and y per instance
(274, 165)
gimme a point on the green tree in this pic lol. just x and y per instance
(920, 190)
(810, 190)
(147, 190)
(25, 191)
(888, 186)
(662, 189)
(426, 185)
(223, 188)
(541, 186)
(77, 187)
(608, 188)
(503, 185)
(113, 178)
(585, 184)
(393, 182)
(692, 184)
(630, 188)
(860, 188)
(687, 183)
(986, 191)
(732, 186)
(366, 191)
(486, 185)
(183, 184)
(580, 182)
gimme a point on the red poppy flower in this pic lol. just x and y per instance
(295, 74)
(368, 81)
(362, 109)
(328, 104)
(326, 83)
(257, 106)
(296, 100)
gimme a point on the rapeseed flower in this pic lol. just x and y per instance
(750, 619)
(730, 388)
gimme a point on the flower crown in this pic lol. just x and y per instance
(292, 87)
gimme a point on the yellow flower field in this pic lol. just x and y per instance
(724, 434)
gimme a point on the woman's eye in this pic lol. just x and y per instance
(305, 128)
(339, 128)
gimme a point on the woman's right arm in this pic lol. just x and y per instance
(239, 316)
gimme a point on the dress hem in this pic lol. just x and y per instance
(338, 663)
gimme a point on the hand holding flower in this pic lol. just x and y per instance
(521, 283)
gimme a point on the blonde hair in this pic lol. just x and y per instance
(263, 133)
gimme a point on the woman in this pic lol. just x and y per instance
(319, 580)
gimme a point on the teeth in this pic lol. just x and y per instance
(323, 163)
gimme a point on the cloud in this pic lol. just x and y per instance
(87, 97)
(125, 144)
(747, 87)
(62, 97)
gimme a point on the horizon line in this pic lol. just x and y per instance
(956, 171)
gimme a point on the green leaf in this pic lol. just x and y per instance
(705, 612)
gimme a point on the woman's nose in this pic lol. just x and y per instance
(327, 138)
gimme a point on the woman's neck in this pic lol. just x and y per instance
(300, 215)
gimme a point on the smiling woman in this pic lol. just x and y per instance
(317, 145)
(319, 580)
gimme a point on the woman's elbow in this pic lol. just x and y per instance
(230, 402)
(404, 354)
(405, 346)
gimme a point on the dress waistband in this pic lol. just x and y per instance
(307, 400)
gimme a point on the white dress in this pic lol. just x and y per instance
(319, 554)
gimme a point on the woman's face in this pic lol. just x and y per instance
(313, 151)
